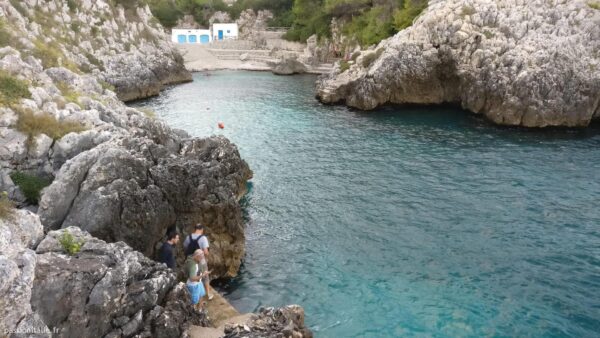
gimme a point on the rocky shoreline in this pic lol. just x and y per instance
(522, 63)
(119, 178)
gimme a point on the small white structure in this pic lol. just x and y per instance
(224, 31)
(201, 36)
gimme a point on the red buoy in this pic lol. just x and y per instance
(221, 125)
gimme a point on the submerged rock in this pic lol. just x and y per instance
(528, 63)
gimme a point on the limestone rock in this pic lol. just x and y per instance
(272, 322)
(106, 289)
(287, 66)
(17, 268)
(528, 63)
(134, 190)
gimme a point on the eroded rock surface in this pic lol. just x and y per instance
(107, 290)
(531, 63)
(282, 322)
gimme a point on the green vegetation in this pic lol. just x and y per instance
(367, 21)
(594, 4)
(49, 54)
(72, 4)
(344, 66)
(69, 244)
(35, 124)
(30, 185)
(404, 16)
(107, 86)
(68, 93)
(5, 36)
(7, 208)
(467, 10)
(12, 89)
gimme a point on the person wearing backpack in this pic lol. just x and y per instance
(194, 241)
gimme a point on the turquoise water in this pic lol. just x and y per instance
(412, 221)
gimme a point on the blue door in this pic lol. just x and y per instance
(192, 39)
(220, 35)
(204, 39)
(181, 38)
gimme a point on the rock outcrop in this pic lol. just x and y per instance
(18, 236)
(287, 65)
(527, 63)
(272, 322)
(120, 175)
(123, 46)
(104, 290)
(107, 290)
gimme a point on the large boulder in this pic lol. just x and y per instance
(287, 65)
(134, 190)
(107, 290)
(529, 63)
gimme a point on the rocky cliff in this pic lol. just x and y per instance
(104, 290)
(118, 41)
(532, 63)
(117, 173)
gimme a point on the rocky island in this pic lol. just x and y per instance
(117, 178)
(523, 63)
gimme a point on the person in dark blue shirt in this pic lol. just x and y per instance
(166, 254)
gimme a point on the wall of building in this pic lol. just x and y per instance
(200, 36)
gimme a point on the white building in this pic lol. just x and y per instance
(224, 31)
(219, 31)
(200, 36)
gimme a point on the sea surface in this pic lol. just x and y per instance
(407, 221)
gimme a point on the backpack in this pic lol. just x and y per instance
(193, 246)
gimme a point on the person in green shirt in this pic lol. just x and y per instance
(195, 271)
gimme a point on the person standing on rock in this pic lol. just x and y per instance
(195, 272)
(166, 254)
(198, 240)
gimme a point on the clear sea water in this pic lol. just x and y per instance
(408, 221)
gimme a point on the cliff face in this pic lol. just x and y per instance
(531, 63)
(126, 47)
(117, 173)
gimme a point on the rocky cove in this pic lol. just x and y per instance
(120, 178)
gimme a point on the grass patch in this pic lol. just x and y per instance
(344, 66)
(488, 34)
(7, 208)
(33, 125)
(30, 185)
(368, 59)
(72, 4)
(69, 244)
(107, 86)
(355, 56)
(76, 26)
(594, 4)
(12, 89)
(5, 36)
(48, 54)
(411, 9)
(148, 112)
(467, 10)
(68, 93)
